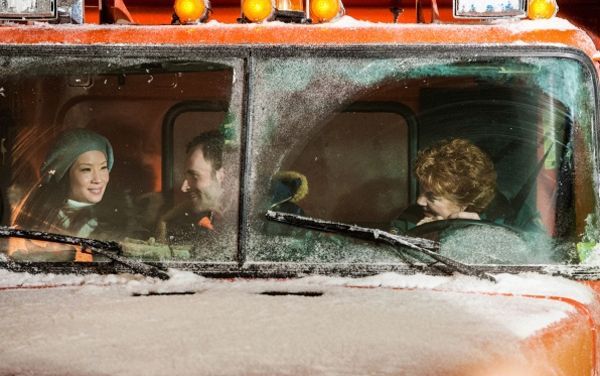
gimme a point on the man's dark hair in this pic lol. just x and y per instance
(211, 144)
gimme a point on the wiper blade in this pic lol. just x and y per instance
(58, 238)
(109, 249)
(424, 246)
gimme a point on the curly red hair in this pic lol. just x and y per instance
(458, 171)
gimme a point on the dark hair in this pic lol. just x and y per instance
(211, 144)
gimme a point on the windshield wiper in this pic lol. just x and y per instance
(109, 249)
(424, 246)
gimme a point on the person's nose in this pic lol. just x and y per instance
(96, 176)
(422, 200)
(185, 186)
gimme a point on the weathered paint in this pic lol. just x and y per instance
(291, 35)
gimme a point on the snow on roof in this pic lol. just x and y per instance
(555, 23)
(503, 28)
(516, 26)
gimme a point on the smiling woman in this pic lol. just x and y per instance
(74, 177)
(457, 180)
(88, 177)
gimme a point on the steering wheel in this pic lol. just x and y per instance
(444, 224)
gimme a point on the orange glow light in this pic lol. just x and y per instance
(257, 10)
(542, 9)
(189, 11)
(324, 10)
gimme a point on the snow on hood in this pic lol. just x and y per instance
(230, 327)
(513, 284)
(383, 324)
(527, 284)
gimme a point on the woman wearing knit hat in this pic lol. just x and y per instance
(74, 177)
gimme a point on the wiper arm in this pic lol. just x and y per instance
(109, 249)
(425, 246)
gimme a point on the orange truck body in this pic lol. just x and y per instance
(568, 347)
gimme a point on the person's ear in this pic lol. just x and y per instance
(185, 186)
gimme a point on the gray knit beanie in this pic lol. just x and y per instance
(70, 145)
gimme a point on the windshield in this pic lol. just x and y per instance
(491, 157)
(138, 151)
(483, 160)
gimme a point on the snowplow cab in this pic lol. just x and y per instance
(268, 138)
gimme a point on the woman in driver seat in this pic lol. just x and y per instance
(457, 181)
